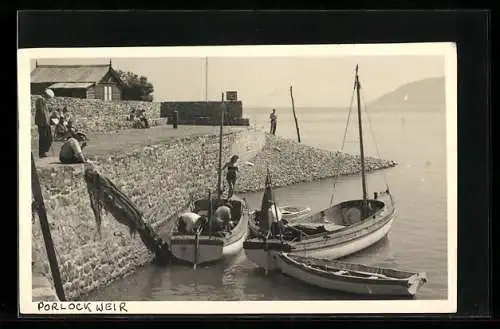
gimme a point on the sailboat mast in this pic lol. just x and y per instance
(219, 179)
(361, 150)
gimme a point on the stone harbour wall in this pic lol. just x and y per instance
(160, 179)
(97, 116)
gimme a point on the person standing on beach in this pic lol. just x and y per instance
(274, 118)
(232, 168)
(42, 120)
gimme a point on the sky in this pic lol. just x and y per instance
(265, 81)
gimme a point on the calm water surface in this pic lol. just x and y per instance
(417, 241)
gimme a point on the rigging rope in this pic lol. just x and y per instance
(344, 138)
(384, 176)
(374, 139)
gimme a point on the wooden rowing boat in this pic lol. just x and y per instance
(351, 278)
(337, 231)
(294, 213)
(205, 245)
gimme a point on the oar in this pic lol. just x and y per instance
(196, 246)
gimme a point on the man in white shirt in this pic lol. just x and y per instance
(187, 221)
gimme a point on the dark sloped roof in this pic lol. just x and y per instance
(69, 73)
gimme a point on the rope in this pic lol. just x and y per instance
(384, 176)
(344, 139)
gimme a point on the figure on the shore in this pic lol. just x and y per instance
(274, 118)
(71, 151)
(42, 121)
(232, 169)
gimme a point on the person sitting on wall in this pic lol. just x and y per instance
(143, 119)
(55, 117)
(67, 118)
(131, 115)
(61, 129)
(71, 151)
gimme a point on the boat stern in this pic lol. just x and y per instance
(185, 248)
(416, 282)
(264, 254)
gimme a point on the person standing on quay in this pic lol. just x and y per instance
(274, 119)
(232, 169)
(42, 120)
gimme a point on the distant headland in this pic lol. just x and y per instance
(425, 95)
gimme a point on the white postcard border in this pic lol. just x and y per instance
(448, 50)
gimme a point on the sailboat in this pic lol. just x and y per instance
(206, 244)
(337, 231)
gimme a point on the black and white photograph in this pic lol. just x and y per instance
(266, 179)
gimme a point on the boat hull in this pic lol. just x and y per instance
(266, 256)
(372, 287)
(206, 249)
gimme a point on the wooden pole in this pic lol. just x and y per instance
(219, 179)
(294, 115)
(360, 125)
(47, 238)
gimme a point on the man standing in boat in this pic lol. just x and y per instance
(274, 118)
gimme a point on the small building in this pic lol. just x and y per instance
(78, 81)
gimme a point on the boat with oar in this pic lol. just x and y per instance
(351, 278)
(206, 243)
(337, 231)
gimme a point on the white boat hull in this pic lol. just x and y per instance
(207, 252)
(366, 288)
(268, 260)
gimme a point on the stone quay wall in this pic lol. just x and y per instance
(96, 116)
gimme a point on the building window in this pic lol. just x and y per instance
(108, 93)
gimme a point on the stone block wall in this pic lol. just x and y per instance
(159, 179)
(97, 116)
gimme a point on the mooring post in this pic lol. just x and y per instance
(47, 237)
(294, 115)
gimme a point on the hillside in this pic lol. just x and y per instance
(426, 94)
